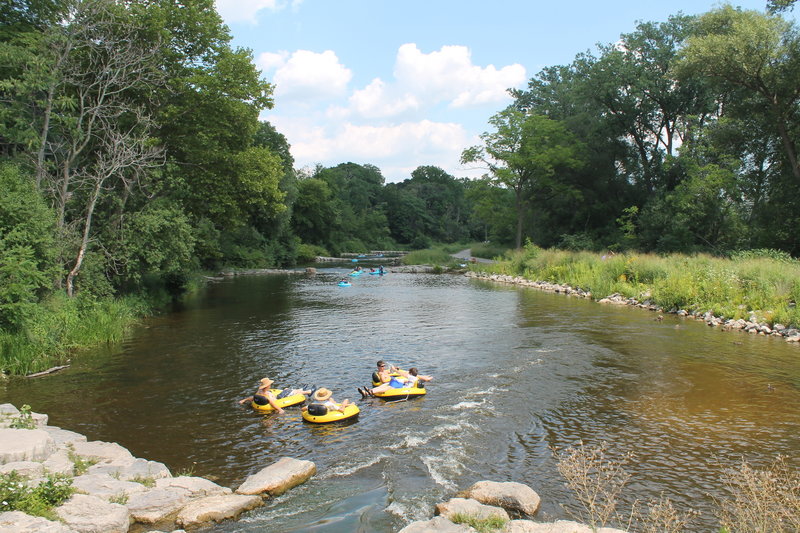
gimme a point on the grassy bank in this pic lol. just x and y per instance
(761, 284)
(62, 325)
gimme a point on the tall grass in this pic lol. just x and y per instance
(430, 256)
(732, 288)
(63, 325)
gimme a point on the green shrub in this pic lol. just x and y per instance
(309, 252)
(25, 420)
(17, 495)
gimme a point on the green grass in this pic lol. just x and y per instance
(735, 288)
(17, 495)
(431, 256)
(62, 325)
(482, 525)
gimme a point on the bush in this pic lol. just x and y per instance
(309, 252)
(17, 495)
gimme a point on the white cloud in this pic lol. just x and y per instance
(246, 10)
(305, 75)
(395, 149)
(449, 75)
(376, 101)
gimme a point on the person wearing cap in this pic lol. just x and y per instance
(324, 397)
(264, 396)
(405, 379)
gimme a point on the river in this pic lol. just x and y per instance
(517, 374)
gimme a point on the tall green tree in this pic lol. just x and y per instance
(756, 52)
(526, 154)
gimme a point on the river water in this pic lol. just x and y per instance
(517, 373)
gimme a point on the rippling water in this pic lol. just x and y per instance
(517, 373)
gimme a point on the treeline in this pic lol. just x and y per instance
(679, 137)
(132, 157)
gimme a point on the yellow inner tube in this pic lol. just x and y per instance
(401, 393)
(287, 401)
(332, 416)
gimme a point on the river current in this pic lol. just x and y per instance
(518, 374)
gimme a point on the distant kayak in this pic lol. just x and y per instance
(355, 273)
(345, 284)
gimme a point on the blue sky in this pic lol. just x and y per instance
(404, 83)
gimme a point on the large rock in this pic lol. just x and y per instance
(193, 487)
(59, 463)
(561, 526)
(216, 509)
(469, 507)
(141, 469)
(19, 522)
(108, 452)
(438, 524)
(278, 477)
(64, 437)
(25, 445)
(156, 505)
(511, 496)
(106, 487)
(89, 514)
(23, 468)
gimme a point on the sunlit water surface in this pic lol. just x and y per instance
(517, 373)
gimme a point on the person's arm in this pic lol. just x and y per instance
(245, 400)
(271, 399)
(424, 378)
(343, 405)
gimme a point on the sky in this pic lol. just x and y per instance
(403, 83)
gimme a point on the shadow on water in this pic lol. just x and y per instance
(516, 372)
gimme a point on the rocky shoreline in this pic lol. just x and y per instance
(753, 325)
(115, 492)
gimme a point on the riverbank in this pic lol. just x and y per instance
(55, 480)
(758, 286)
(753, 326)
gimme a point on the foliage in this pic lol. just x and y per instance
(487, 250)
(596, 481)
(761, 499)
(309, 252)
(430, 256)
(16, 494)
(486, 524)
(732, 288)
(25, 420)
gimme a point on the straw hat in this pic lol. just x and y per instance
(322, 394)
(266, 383)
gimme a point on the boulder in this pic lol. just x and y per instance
(105, 487)
(89, 514)
(108, 452)
(216, 509)
(156, 505)
(438, 524)
(511, 496)
(19, 522)
(59, 463)
(278, 477)
(25, 445)
(469, 507)
(23, 468)
(63, 437)
(560, 526)
(193, 487)
(132, 470)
